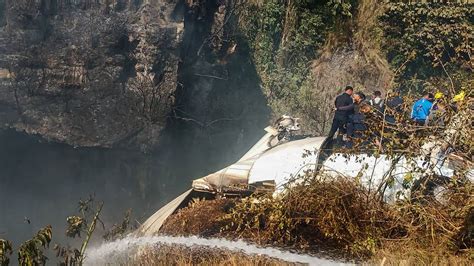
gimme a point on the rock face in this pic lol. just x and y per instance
(89, 73)
(116, 73)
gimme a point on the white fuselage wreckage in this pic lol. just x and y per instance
(274, 160)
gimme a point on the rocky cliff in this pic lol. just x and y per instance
(89, 73)
(115, 73)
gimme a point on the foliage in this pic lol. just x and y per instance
(440, 224)
(335, 212)
(339, 213)
(5, 251)
(31, 251)
(393, 133)
(86, 223)
(424, 43)
(343, 7)
(205, 219)
(75, 225)
(284, 38)
(428, 40)
(68, 256)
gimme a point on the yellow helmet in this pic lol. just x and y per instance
(438, 95)
(459, 97)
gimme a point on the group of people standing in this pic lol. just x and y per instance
(351, 107)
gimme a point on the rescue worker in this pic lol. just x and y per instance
(421, 109)
(377, 101)
(356, 118)
(437, 111)
(341, 116)
(353, 108)
(394, 105)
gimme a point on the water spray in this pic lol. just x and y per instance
(123, 249)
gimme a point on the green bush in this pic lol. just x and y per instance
(427, 41)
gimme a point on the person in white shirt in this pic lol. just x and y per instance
(377, 101)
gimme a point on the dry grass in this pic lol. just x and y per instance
(201, 217)
(402, 255)
(435, 232)
(335, 215)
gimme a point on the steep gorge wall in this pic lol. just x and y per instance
(88, 73)
(349, 57)
(117, 73)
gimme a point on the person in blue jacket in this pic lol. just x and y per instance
(422, 108)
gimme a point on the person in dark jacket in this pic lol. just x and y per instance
(353, 107)
(394, 104)
(355, 121)
(341, 116)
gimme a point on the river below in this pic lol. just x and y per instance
(41, 183)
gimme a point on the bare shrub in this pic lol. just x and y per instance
(333, 212)
(199, 218)
(339, 214)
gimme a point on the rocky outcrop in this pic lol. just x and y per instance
(90, 73)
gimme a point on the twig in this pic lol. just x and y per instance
(210, 76)
(385, 109)
(190, 120)
(447, 74)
